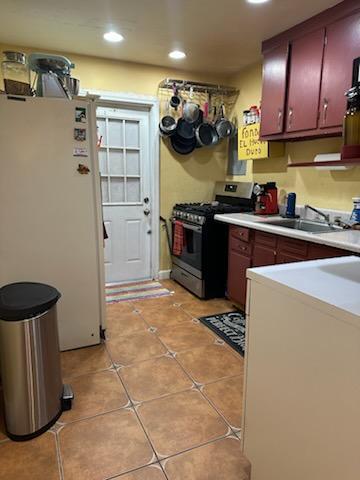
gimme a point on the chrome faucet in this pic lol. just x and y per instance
(319, 212)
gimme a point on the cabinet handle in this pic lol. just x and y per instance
(325, 110)
(291, 113)
(280, 120)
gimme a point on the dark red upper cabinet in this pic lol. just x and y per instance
(341, 47)
(274, 90)
(304, 82)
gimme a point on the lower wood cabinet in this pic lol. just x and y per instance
(236, 287)
(249, 248)
(284, 257)
(263, 255)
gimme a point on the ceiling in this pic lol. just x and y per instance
(219, 36)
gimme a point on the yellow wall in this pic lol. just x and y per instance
(182, 178)
(324, 189)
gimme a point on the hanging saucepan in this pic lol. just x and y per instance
(175, 100)
(223, 125)
(167, 125)
(191, 109)
(206, 134)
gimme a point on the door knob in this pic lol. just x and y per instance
(147, 211)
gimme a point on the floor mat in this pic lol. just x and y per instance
(230, 327)
(135, 291)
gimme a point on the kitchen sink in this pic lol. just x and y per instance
(305, 225)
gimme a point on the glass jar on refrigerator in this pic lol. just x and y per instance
(16, 73)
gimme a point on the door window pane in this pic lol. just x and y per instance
(131, 134)
(117, 190)
(115, 129)
(102, 162)
(116, 162)
(133, 189)
(132, 162)
(104, 190)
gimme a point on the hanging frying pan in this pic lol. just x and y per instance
(183, 147)
(191, 109)
(185, 130)
(223, 126)
(175, 100)
(206, 134)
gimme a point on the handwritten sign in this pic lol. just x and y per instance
(250, 147)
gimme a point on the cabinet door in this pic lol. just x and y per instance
(236, 285)
(288, 258)
(274, 91)
(317, 251)
(263, 256)
(341, 47)
(304, 82)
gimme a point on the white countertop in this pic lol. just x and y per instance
(346, 239)
(331, 283)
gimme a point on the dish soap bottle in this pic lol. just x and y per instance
(355, 216)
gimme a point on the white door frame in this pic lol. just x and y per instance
(132, 100)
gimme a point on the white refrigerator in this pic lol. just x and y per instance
(50, 210)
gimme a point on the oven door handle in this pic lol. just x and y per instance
(194, 228)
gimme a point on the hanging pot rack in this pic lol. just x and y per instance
(200, 87)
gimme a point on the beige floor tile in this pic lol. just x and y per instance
(151, 303)
(124, 324)
(219, 460)
(84, 360)
(94, 394)
(119, 308)
(135, 348)
(154, 378)
(104, 446)
(210, 363)
(181, 421)
(180, 294)
(153, 472)
(167, 316)
(227, 396)
(32, 460)
(201, 308)
(185, 336)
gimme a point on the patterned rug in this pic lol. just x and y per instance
(231, 327)
(135, 291)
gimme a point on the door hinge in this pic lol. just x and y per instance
(325, 40)
(102, 333)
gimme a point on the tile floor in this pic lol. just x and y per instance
(161, 399)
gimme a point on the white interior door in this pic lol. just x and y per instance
(125, 185)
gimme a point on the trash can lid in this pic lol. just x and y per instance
(22, 300)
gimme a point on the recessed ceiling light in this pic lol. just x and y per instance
(177, 55)
(257, 1)
(113, 37)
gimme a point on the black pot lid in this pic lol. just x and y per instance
(22, 300)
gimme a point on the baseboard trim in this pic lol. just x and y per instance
(164, 274)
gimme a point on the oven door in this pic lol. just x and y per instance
(191, 256)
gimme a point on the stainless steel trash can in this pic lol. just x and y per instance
(30, 359)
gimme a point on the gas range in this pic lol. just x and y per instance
(201, 265)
